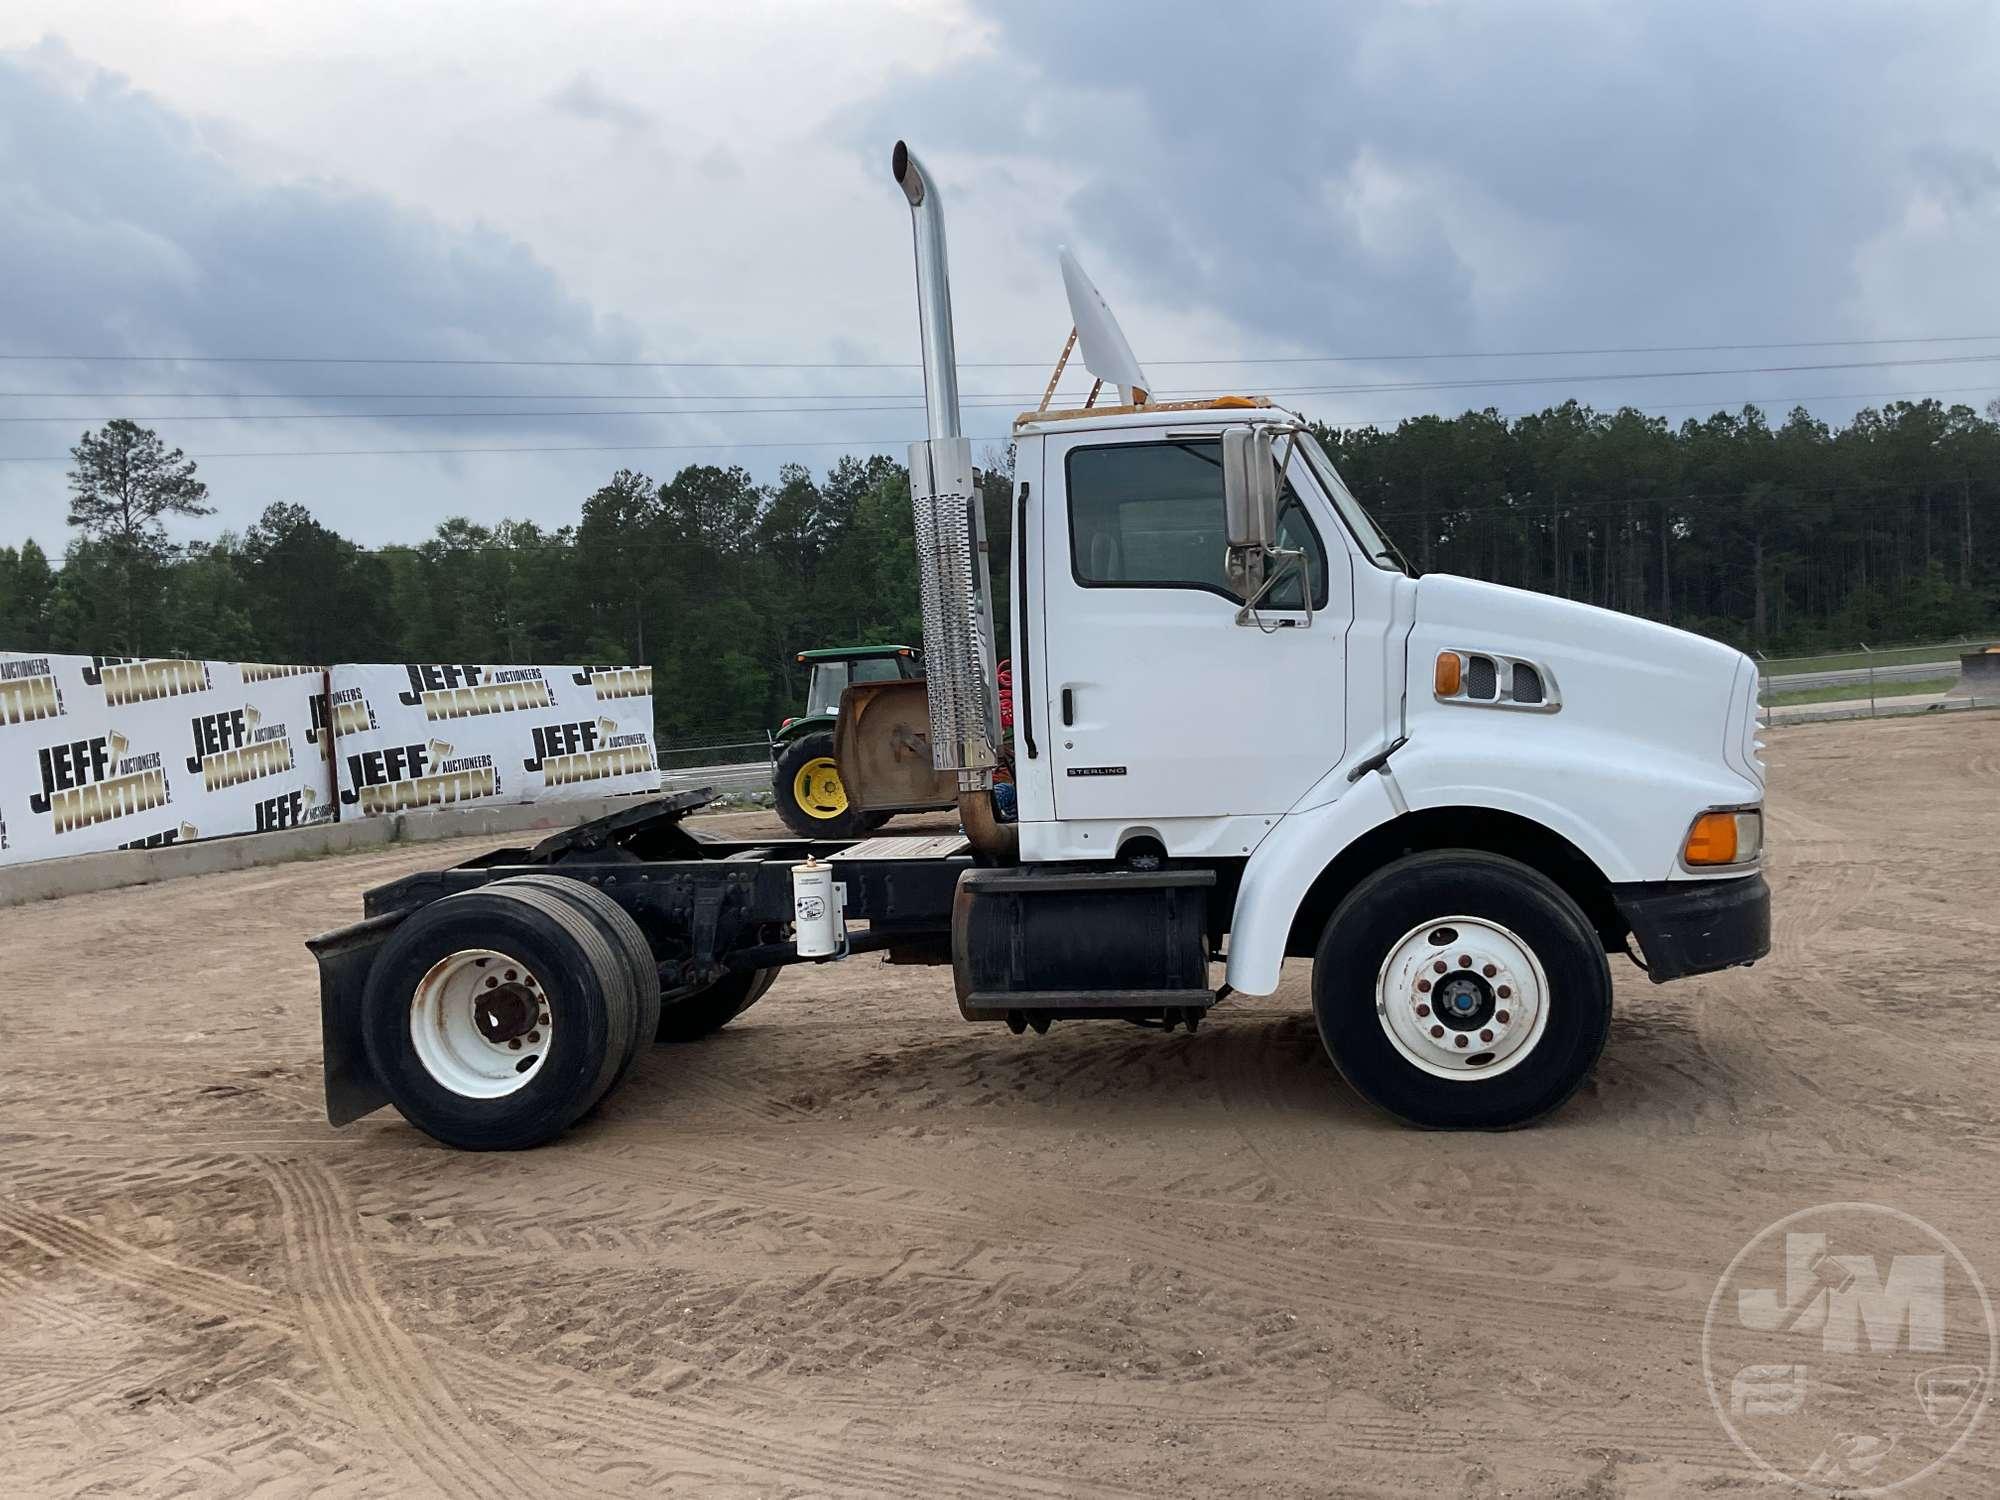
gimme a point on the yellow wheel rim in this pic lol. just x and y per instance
(817, 789)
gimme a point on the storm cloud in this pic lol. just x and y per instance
(1378, 178)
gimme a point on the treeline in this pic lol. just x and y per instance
(1784, 539)
(1779, 539)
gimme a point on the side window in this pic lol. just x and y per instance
(1148, 515)
(1295, 530)
(829, 681)
(876, 669)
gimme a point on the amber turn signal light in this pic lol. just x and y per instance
(1724, 838)
(1447, 678)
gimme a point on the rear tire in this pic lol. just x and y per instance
(711, 1009)
(1462, 990)
(809, 795)
(494, 1018)
(624, 935)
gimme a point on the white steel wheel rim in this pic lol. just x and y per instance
(1462, 998)
(480, 1023)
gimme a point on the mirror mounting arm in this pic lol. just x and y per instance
(1291, 561)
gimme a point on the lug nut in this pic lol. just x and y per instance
(1423, 986)
(1489, 971)
(1502, 1017)
(514, 1044)
(1460, 1039)
(492, 983)
(513, 974)
(534, 1036)
(1423, 1010)
(1485, 1036)
(1437, 1031)
(1504, 993)
(1465, 960)
(1440, 967)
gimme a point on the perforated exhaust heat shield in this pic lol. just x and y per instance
(956, 589)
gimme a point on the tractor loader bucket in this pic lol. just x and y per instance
(1979, 673)
(882, 742)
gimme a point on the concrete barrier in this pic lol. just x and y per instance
(46, 879)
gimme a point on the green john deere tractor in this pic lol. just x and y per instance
(806, 779)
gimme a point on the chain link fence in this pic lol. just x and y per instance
(1870, 682)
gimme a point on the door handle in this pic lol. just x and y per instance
(1069, 708)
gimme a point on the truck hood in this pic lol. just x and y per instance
(1659, 689)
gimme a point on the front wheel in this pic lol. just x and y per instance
(1462, 990)
(810, 796)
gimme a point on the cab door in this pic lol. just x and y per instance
(1159, 704)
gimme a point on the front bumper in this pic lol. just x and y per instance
(1697, 926)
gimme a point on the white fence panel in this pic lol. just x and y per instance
(114, 752)
(435, 734)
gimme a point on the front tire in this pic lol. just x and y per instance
(1462, 990)
(494, 1018)
(810, 796)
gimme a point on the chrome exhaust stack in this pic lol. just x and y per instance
(954, 581)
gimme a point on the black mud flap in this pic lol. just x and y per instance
(345, 957)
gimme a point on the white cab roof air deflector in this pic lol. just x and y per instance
(1105, 352)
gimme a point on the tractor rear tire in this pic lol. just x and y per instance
(711, 1009)
(495, 1018)
(810, 798)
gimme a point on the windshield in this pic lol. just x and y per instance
(1381, 551)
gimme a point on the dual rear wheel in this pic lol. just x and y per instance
(496, 1018)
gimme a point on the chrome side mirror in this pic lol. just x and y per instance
(1249, 487)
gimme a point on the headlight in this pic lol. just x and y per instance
(1729, 836)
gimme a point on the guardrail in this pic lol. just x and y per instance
(733, 767)
(1897, 687)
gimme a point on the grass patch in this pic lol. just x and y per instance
(1843, 692)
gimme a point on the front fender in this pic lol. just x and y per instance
(1281, 870)
(804, 725)
(1625, 804)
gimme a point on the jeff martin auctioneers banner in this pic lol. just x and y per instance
(106, 752)
(434, 734)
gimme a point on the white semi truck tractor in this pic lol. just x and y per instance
(1243, 732)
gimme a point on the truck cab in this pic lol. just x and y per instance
(1156, 709)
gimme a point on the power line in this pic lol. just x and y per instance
(1714, 403)
(1016, 364)
(991, 400)
(898, 442)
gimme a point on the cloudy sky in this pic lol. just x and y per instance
(456, 226)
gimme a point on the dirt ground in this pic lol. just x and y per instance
(854, 1245)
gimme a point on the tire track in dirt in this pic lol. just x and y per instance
(382, 1375)
(1092, 1221)
(744, 1439)
(138, 1269)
